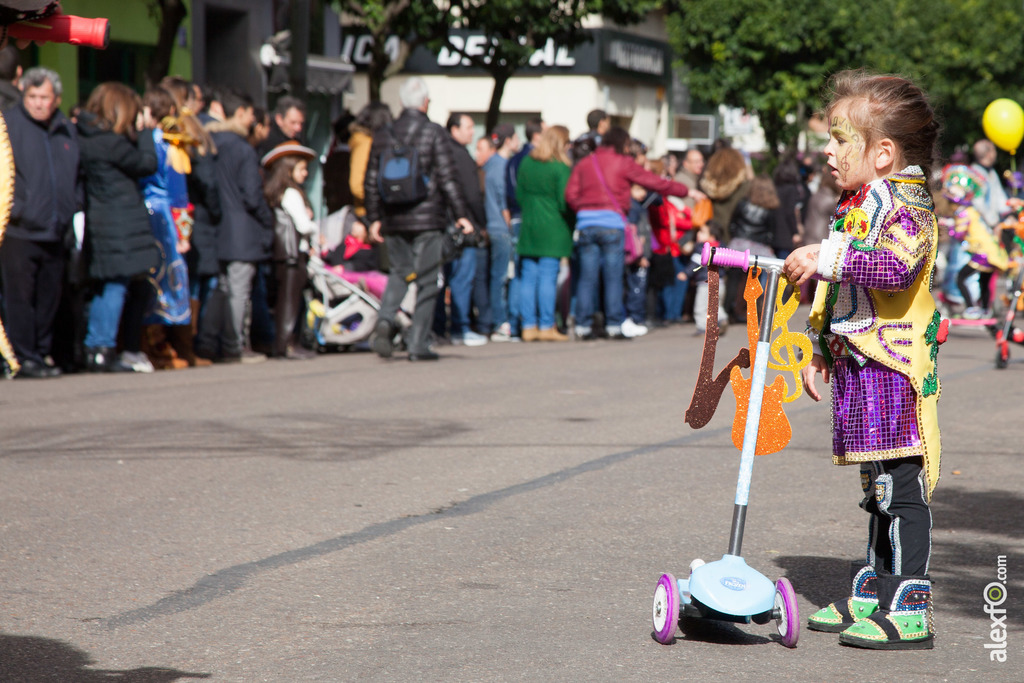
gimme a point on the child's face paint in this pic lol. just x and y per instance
(847, 155)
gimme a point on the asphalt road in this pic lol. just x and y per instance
(502, 515)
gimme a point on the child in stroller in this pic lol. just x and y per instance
(346, 285)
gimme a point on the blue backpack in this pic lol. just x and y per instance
(400, 179)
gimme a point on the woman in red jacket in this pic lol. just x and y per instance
(599, 193)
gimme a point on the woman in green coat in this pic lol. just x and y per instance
(545, 236)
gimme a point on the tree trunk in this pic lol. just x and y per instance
(172, 13)
(772, 124)
(379, 62)
(494, 110)
(299, 52)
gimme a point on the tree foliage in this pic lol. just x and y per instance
(774, 58)
(768, 57)
(964, 53)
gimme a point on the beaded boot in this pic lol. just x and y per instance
(903, 620)
(862, 603)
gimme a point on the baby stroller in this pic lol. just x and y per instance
(342, 314)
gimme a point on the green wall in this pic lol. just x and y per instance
(130, 24)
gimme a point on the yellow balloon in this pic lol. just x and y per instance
(1003, 122)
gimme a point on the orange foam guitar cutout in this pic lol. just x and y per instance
(774, 430)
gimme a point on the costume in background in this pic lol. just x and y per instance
(962, 185)
(167, 199)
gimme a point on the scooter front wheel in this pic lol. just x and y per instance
(787, 618)
(1002, 354)
(666, 609)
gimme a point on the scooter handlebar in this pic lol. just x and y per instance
(720, 256)
(63, 28)
(733, 258)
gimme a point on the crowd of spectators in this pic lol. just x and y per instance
(173, 230)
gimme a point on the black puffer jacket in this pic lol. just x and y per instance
(119, 241)
(435, 159)
(204, 193)
(752, 222)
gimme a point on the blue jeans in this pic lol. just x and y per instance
(201, 286)
(673, 296)
(460, 282)
(501, 253)
(636, 293)
(105, 314)
(538, 290)
(481, 291)
(602, 254)
(514, 314)
(261, 330)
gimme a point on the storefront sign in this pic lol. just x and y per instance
(607, 53)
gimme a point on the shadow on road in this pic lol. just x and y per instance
(30, 659)
(972, 530)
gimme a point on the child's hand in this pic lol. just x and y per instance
(681, 277)
(816, 365)
(801, 264)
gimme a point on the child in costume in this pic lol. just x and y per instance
(876, 330)
(960, 185)
(170, 217)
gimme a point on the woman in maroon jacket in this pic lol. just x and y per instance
(599, 193)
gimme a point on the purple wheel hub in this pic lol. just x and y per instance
(666, 609)
(788, 614)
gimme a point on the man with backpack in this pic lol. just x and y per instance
(411, 184)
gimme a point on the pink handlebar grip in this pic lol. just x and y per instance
(720, 256)
(63, 28)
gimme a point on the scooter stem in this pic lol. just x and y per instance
(758, 373)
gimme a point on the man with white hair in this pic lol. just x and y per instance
(47, 193)
(412, 226)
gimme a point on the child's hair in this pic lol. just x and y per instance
(179, 89)
(279, 178)
(160, 102)
(883, 105)
(762, 193)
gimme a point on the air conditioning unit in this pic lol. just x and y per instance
(696, 129)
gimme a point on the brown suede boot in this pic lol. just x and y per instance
(180, 338)
(156, 345)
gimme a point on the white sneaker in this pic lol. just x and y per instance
(631, 329)
(502, 334)
(469, 338)
(137, 361)
(974, 313)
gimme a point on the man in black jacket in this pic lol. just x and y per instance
(461, 271)
(244, 236)
(286, 125)
(413, 232)
(47, 193)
